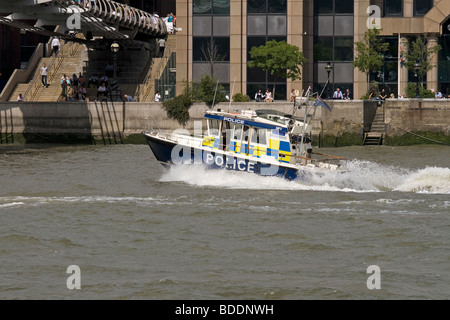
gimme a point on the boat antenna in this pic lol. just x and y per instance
(214, 99)
(232, 90)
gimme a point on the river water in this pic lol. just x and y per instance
(138, 231)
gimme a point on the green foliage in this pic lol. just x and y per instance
(239, 97)
(178, 108)
(372, 86)
(411, 88)
(280, 59)
(208, 91)
(421, 53)
(369, 52)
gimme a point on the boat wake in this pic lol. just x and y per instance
(361, 176)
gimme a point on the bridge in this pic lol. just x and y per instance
(98, 20)
(89, 27)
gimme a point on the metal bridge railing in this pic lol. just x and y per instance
(114, 13)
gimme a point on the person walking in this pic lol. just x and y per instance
(44, 71)
(162, 46)
(55, 46)
(158, 96)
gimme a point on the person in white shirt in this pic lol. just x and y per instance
(268, 96)
(338, 94)
(44, 75)
(55, 46)
(158, 97)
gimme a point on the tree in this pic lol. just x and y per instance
(211, 55)
(421, 53)
(369, 52)
(280, 59)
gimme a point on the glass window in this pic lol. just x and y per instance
(344, 6)
(393, 7)
(276, 25)
(214, 127)
(421, 7)
(237, 132)
(343, 48)
(245, 135)
(343, 25)
(256, 6)
(256, 25)
(266, 6)
(259, 136)
(221, 7)
(277, 6)
(343, 72)
(201, 26)
(202, 7)
(221, 26)
(323, 7)
(323, 49)
(256, 75)
(324, 25)
(202, 49)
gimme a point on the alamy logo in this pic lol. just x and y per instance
(374, 20)
(74, 281)
(74, 20)
(374, 281)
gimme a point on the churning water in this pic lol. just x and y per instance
(137, 231)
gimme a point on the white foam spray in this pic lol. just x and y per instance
(361, 176)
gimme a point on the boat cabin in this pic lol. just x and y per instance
(265, 134)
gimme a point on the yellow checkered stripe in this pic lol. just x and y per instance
(208, 142)
(276, 148)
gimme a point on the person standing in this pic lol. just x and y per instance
(55, 46)
(158, 97)
(162, 46)
(44, 70)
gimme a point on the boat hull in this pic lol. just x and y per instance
(169, 152)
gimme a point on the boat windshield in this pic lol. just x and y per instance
(275, 115)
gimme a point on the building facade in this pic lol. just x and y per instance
(215, 37)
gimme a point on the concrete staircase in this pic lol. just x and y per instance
(68, 62)
(132, 63)
(377, 130)
(145, 92)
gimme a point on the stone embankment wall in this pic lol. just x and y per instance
(119, 120)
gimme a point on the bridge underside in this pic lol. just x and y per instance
(101, 21)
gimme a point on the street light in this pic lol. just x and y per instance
(115, 90)
(328, 68)
(417, 68)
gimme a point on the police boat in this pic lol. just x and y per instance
(265, 142)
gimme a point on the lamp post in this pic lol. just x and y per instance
(328, 68)
(115, 90)
(417, 68)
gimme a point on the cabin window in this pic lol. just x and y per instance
(237, 132)
(214, 126)
(246, 132)
(259, 136)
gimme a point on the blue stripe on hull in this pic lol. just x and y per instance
(163, 153)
